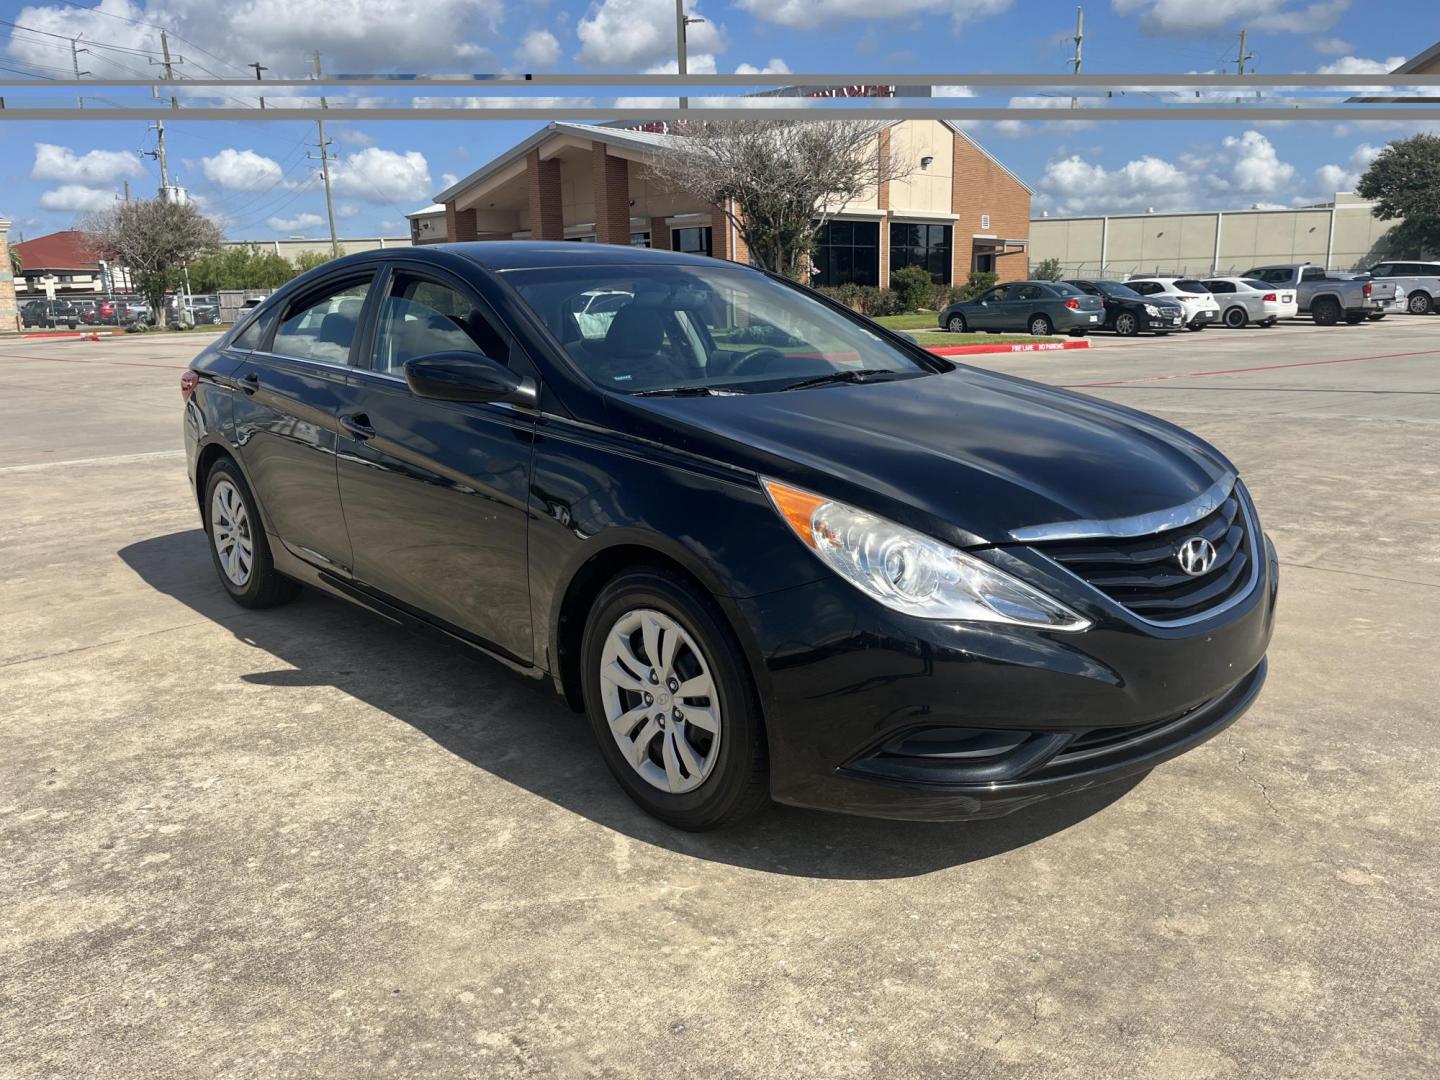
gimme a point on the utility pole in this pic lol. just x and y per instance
(159, 152)
(127, 191)
(1241, 57)
(75, 52)
(681, 22)
(325, 169)
(1079, 39)
(259, 67)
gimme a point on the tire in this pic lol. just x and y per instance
(688, 776)
(1355, 318)
(955, 324)
(1236, 317)
(1376, 316)
(1326, 311)
(1126, 324)
(229, 509)
(1041, 326)
(1420, 303)
(1195, 327)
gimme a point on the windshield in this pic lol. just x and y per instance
(640, 329)
(1115, 288)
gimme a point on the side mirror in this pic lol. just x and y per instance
(908, 337)
(463, 376)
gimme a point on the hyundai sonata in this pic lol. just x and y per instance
(771, 549)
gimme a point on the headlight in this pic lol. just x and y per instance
(1151, 309)
(910, 572)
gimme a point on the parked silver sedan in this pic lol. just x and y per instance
(1247, 300)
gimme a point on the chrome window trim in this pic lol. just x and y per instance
(1138, 525)
(1257, 553)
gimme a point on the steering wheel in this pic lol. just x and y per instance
(757, 361)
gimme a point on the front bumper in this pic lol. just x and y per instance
(845, 681)
(1164, 321)
(1204, 318)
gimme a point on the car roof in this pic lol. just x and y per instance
(535, 254)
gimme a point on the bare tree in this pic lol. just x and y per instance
(154, 239)
(778, 181)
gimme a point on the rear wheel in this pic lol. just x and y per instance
(1126, 324)
(1420, 303)
(1355, 318)
(1236, 317)
(238, 545)
(955, 324)
(1326, 311)
(1041, 326)
(1376, 316)
(670, 698)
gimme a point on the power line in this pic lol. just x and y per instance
(153, 26)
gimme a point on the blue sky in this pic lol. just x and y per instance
(255, 177)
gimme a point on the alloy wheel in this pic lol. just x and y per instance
(660, 700)
(1126, 324)
(230, 532)
(1419, 304)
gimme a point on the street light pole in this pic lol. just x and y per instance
(681, 22)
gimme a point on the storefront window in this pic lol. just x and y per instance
(694, 241)
(925, 246)
(848, 252)
(639, 239)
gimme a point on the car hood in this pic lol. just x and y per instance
(969, 454)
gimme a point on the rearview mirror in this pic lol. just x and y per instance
(465, 376)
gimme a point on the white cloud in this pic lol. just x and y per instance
(376, 35)
(375, 175)
(1332, 178)
(1240, 171)
(695, 64)
(1332, 46)
(1185, 18)
(95, 167)
(77, 197)
(1357, 65)
(952, 91)
(616, 32)
(448, 180)
(242, 170)
(298, 223)
(539, 48)
(351, 136)
(775, 66)
(818, 13)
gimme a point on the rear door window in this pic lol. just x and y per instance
(1028, 292)
(323, 327)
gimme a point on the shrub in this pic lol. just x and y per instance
(866, 299)
(1048, 270)
(912, 287)
(978, 282)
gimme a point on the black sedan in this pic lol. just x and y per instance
(1127, 312)
(769, 548)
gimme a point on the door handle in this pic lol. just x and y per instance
(358, 425)
(250, 383)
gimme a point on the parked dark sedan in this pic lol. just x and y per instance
(1127, 312)
(771, 549)
(1033, 307)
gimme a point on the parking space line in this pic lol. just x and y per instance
(73, 360)
(116, 459)
(1261, 367)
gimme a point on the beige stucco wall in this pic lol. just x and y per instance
(924, 190)
(288, 249)
(1185, 243)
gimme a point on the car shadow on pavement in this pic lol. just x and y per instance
(481, 712)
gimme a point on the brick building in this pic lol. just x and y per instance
(958, 210)
(9, 310)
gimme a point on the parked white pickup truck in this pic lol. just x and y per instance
(1328, 297)
(1420, 280)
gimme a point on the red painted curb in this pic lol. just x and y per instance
(1017, 347)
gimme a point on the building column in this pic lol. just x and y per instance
(547, 212)
(659, 234)
(610, 178)
(9, 308)
(459, 224)
(882, 201)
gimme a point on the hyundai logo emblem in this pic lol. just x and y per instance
(1196, 556)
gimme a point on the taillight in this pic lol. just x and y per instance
(1073, 304)
(1269, 298)
(188, 381)
(1366, 289)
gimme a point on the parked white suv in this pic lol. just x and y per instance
(1420, 280)
(1199, 306)
(1247, 300)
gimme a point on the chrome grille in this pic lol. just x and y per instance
(1143, 573)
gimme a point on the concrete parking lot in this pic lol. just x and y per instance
(301, 843)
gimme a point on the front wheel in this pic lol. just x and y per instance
(1195, 327)
(1376, 316)
(671, 701)
(238, 545)
(1236, 317)
(1040, 326)
(1126, 324)
(955, 324)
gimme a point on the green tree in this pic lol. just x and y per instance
(1048, 270)
(308, 260)
(912, 284)
(17, 264)
(154, 239)
(1404, 182)
(245, 267)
